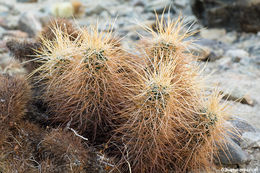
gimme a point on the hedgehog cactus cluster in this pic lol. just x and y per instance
(80, 78)
(149, 109)
(170, 123)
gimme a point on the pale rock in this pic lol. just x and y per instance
(138, 3)
(15, 34)
(181, 3)
(96, 9)
(10, 22)
(204, 53)
(237, 126)
(229, 38)
(239, 96)
(237, 53)
(251, 140)
(159, 6)
(241, 125)
(62, 9)
(213, 34)
(29, 23)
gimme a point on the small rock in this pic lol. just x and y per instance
(14, 68)
(133, 36)
(181, 3)
(237, 54)
(237, 127)
(62, 9)
(233, 133)
(134, 28)
(242, 125)
(251, 140)
(224, 64)
(29, 23)
(238, 96)
(213, 44)
(213, 34)
(210, 50)
(67, 9)
(97, 9)
(43, 18)
(138, 3)
(203, 53)
(207, 54)
(229, 38)
(10, 22)
(15, 34)
(232, 154)
(159, 6)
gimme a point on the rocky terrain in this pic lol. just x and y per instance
(229, 48)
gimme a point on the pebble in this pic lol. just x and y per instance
(213, 44)
(9, 22)
(229, 37)
(239, 96)
(62, 9)
(232, 154)
(202, 53)
(29, 23)
(97, 9)
(237, 54)
(251, 140)
(181, 3)
(14, 68)
(159, 6)
(15, 34)
(207, 54)
(241, 125)
(212, 34)
(237, 127)
(138, 3)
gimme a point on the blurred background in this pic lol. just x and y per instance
(228, 36)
